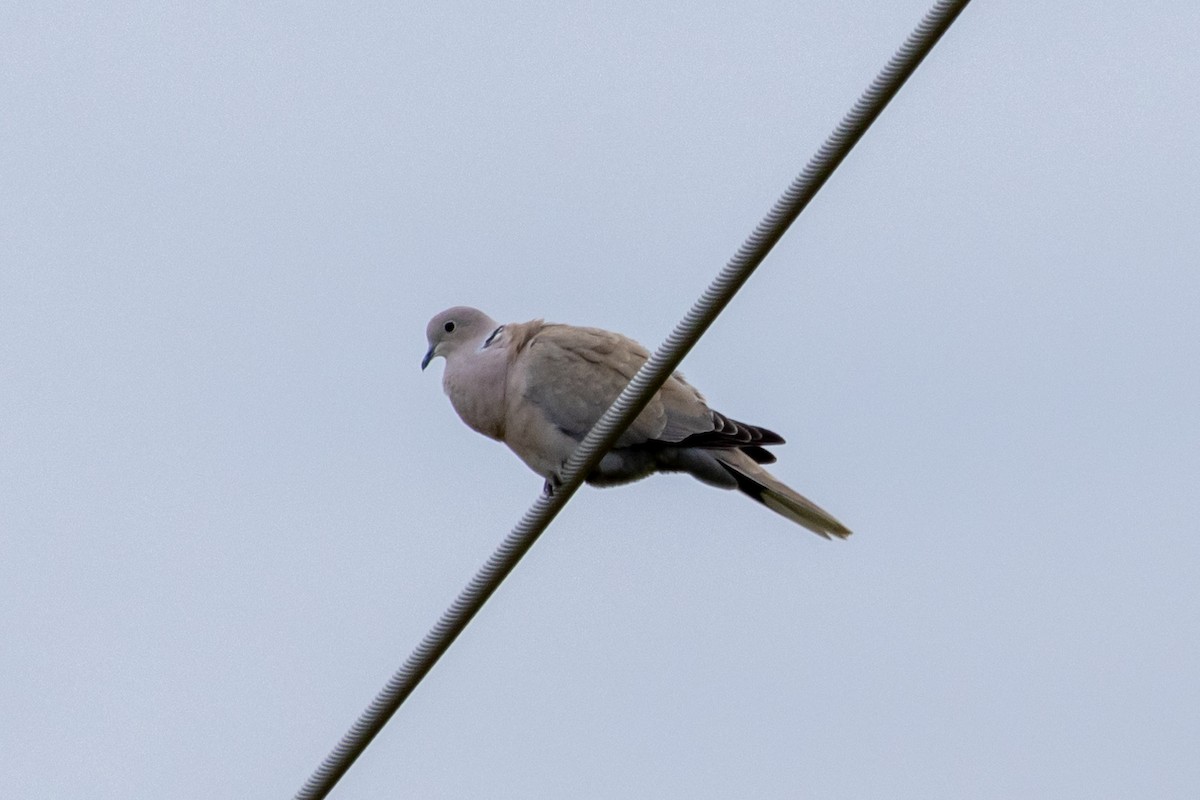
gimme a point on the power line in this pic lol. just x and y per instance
(636, 395)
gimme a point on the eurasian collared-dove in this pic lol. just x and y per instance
(540, 387)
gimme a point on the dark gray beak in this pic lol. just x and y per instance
(425, 361)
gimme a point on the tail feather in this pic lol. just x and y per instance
(756, 482)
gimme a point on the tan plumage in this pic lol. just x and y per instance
(540, 387)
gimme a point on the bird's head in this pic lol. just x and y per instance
(455, 329)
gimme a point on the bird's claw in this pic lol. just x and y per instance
(553, 481)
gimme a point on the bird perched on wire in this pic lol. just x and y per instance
(540, 388)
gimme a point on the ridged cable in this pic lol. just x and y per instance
(636, 395)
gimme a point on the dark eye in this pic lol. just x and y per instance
(449, 326)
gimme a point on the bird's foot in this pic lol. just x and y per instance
(553, 481)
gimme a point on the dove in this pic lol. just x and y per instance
(540, 387)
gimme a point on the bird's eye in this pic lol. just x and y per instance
(449, 326)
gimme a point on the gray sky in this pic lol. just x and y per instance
(231, 503)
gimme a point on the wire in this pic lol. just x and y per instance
(634, 398)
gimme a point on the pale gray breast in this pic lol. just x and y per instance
(474, 382)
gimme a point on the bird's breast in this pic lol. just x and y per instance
(477, 393)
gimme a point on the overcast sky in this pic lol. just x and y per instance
(231, 503)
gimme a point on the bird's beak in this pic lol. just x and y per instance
(425, 361)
